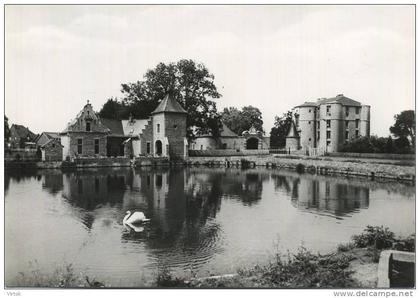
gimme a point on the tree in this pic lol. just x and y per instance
(6, 130)
(240, 120)
(113, 109)
(280, 130)
(405, 126)
(190, 83)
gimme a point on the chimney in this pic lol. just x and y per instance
(340, 95)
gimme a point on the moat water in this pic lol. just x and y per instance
(203, 221)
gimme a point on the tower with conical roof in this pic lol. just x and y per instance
(169, 121)
(293, 138)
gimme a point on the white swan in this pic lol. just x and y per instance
(133, 218)
(135, 228)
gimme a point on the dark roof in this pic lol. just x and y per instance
(169, 105)
(115, 126)
(52, 135)
(227, 132)
(340, 98)
(22, 131)
(51, 140)
(307, 104)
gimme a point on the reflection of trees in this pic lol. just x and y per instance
(19, 175)
(323, 194)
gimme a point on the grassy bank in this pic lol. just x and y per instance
(352, 265)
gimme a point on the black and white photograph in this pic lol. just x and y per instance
(199, 146)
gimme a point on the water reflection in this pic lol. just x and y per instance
(322, 195)
(197, 215)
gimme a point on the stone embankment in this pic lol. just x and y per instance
(372, 169)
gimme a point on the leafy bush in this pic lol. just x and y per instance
(374, 144)
(166, 280)
(380, 237)
(62, 277)
(307, 270)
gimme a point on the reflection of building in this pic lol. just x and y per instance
(328, 123)
(162, 135)
(323, 194)
(52, 181)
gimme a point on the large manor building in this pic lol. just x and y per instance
(328, 123)
(163, 134)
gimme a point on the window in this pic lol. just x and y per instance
(318, 135)
(347, 125)
(175, 126)
(310, 139)
(224, 146)
(201, 147)
(310, 110)
(328, 109)
(357, 111)
(357, 133)
(318, 124)
(309, 122)
(328, 134)
(79, 146)
(148, 147)
(357, 123)
(347, 135)
(328, 143)
(158, 128)
(347, 111)
(328, 123)
(87, 126)
(96, 146)
(53, 145)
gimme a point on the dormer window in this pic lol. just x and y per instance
(87, 126)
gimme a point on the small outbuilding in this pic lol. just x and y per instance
(52, 150)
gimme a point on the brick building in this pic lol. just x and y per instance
(250, 139)
(328, 123)
(163, 134)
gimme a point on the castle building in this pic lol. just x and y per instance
(251, 139)
(163, 134)
(328, 123)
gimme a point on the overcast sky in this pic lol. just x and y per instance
(271, 57)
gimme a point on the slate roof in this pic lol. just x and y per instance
(49, 141)
(169, 105)
(22, 131)
(340, 98)
(227, 132)
(115, 126)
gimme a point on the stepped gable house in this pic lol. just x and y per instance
(328, 123)
(163, 134)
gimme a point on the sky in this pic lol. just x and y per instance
(270, 57)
